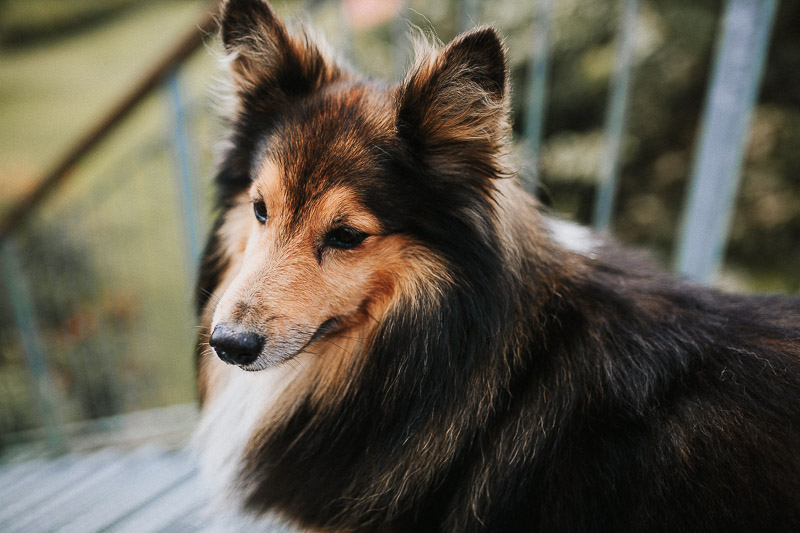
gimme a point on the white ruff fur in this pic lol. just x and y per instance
(574, 237)
(240, 404)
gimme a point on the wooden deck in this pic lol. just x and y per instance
(145, 490)
(148, 487)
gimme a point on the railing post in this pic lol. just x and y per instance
(24, 316)
(536, 97)
(615, 116)
(741, 52)
(184, 173)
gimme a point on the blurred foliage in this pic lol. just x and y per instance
(75, 320)
(675, 45)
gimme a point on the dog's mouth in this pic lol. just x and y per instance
(323, 329)
(252, 352)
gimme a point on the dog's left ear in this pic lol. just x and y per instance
(266, 58)
(452, 107)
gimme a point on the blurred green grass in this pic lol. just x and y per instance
(124, 326)
(54, 90)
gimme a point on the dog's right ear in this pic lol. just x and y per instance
(266, 58)
(453, 107)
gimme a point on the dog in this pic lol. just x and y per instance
(398, 338)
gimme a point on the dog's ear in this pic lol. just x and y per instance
(266, 58)
(452, 107)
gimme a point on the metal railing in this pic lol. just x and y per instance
(741, 52)
(740, 56)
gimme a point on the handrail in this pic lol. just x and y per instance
(192, 40)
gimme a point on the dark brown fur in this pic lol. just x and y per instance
(473, 374)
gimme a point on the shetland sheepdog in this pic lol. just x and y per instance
(398, 338)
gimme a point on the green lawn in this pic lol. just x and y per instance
(52, 92)
(114, 306)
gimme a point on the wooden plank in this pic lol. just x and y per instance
(161, 512)
(149, 489)
(65, 506)
(29, 479)
(135, 490)
(26, 502)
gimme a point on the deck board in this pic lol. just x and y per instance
(148, 489)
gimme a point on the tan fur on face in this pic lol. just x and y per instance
(286, 284)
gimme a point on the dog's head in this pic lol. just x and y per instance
(342, 195)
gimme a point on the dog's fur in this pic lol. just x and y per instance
(472, 364)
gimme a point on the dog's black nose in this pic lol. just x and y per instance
(234, 346)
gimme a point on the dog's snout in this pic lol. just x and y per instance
(235, 346)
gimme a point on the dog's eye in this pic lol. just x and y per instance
(344, 238)
(260, 209)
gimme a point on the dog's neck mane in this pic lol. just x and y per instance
(429, 349)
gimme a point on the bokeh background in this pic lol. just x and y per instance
(96, 299)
